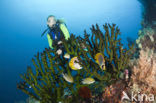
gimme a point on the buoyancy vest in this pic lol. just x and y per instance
(56, 33)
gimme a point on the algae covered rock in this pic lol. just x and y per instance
(146, 39)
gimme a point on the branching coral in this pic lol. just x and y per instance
(107, 44)
(45, 82)
(97, 60)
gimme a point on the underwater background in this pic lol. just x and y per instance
(23, 21)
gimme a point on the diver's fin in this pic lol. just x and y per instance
(44, 32)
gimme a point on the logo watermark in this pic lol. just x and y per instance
(138, 97)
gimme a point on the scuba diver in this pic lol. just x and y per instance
(57, 31)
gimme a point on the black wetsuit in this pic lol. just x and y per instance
(56, 35)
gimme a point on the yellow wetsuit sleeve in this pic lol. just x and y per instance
(65, 31)
(50, 41)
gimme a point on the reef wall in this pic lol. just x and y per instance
(149, 15)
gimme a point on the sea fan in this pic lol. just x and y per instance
(145, 70)
(143, 79)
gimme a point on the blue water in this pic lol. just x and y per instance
(23, 21)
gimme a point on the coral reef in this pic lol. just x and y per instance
(144, 72)
(113, 93)
(149, 15)
(95, 68)
(146, 39)
(45, 82)
(92, 63)
(109, 46)
(143, 79)
(147, 35)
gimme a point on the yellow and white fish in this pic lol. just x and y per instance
(68, 78)
(99, 58)
(74, 64)
(88, 80)
(66, 56)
